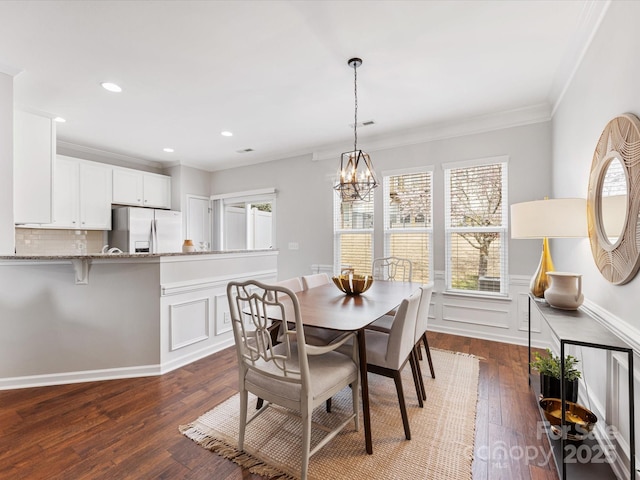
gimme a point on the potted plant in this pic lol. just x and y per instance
(549, 368)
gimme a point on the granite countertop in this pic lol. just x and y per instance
(90, 256)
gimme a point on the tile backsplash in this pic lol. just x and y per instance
(40, 241)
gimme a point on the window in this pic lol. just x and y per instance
(408, 219)
(476, 226)
(353, 235)
(244, 220)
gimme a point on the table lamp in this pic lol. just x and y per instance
(549, 218)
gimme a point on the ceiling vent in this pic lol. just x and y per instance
(363, 124)
(246, 150)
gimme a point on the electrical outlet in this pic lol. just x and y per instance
(293, 246)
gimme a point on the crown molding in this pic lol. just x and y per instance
(590, 19)
(440, 131)
(80, 149)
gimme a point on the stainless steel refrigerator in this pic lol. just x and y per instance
(146, 230)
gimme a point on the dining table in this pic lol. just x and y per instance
(327, 307)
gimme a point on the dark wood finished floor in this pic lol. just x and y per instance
(128, 429)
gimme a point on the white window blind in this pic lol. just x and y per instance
(476, 223)
(408, 220)
(353, 235)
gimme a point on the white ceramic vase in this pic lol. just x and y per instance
(565, 291)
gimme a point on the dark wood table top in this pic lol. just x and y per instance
(327, 307)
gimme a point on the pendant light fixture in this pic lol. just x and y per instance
(356, 178)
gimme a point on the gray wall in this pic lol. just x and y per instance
(304, 201)
(605, 85)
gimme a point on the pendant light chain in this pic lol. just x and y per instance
(355, 118)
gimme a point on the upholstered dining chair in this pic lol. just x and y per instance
(291, 374)
(388, 353)
(315, 280)
(392, 269)
(384, 323)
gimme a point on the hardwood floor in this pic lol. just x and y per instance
(128, 429)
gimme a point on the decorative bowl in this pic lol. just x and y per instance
(353, 284)
(579, 420)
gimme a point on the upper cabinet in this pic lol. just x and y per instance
(33, 154)
(82, 195)
(134, 187)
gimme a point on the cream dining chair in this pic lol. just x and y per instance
(315, 280)
(291, 374)
(388, 353)
(392, 269)
(384, 323)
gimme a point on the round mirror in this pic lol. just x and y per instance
(613, 200)
(612, 205)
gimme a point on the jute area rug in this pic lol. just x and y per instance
(442, 432)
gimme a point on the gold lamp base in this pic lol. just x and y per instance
(540, 281)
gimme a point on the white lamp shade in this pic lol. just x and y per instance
(553, 218)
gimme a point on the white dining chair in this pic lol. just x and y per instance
(388, 353)
(315, 280)
(392, 269)
(314, 335)
(291, 374)
(384, 324)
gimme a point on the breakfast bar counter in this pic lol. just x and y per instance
(74, 318)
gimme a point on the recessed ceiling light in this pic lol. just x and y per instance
(112, 87)
(226, 134)
(60, 120)
(168, 150)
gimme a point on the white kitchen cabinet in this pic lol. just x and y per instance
(33, 154)
(135, 187)
(157, 190)
(65, 190)
(82, 195)
(95, 196)
(127, 186)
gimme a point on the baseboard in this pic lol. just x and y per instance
(78, 377)
(31, 381)
(194, 356)
(490, 336)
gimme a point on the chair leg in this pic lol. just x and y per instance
(306, 440)
(244, 398)
(420, 379)
(416, 378)
(259, 403)
(355, 392)
(328, 405)
(403, 408)
(426, 346)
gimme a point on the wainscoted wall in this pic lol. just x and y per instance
(40, 241)
(502, 319)
(135, 316)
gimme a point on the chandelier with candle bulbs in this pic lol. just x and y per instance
(356, 178)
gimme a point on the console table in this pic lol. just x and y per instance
(578, 328)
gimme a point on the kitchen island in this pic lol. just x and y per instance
(74, 318)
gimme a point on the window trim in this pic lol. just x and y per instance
(503, 230)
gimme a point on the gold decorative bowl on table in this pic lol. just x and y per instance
(579, 420)
(353, 284)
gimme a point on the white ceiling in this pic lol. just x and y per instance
(275, 72)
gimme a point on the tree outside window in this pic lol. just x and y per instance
(476, 226)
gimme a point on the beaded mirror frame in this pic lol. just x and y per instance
(618, 261)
